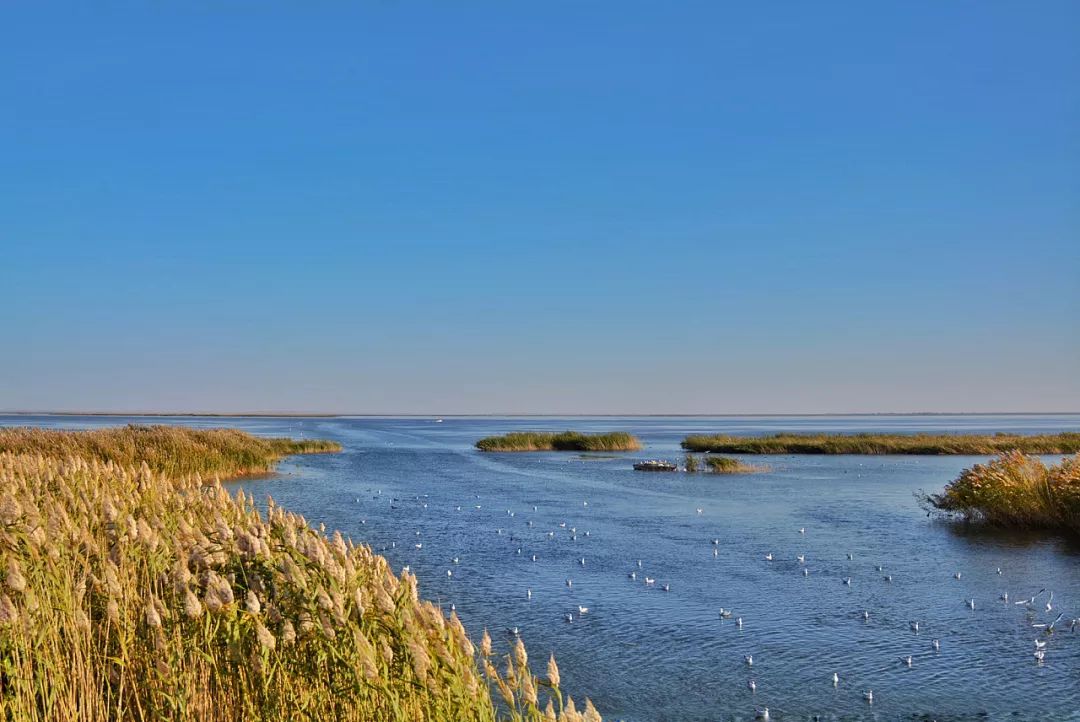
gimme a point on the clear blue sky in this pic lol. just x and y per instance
(440, 207)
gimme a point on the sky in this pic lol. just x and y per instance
(553, 207)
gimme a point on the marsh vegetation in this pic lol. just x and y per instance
(170, 450)
(134, 589)
(1016, 491)
(927, 444)
(728, 465)
(565, 441)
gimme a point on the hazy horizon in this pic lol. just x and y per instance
(559, 209)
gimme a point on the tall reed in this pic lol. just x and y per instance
(1016, 491)
(132, 594)
(171, 450)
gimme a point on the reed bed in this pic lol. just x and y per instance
(565, 441)
(133, 594)
(1016, 491)
(171, 450)
(728, 465)
(925, 444)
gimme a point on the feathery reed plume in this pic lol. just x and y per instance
(297, 621)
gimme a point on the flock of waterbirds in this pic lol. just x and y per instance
(1033, 605)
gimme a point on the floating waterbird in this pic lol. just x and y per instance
(534, 557)
(449, 573)
(582, 561)
(725, 613)
(1040, 644)
(835, 679)
(762, 714)
(805, 572)
(715, 552)
(1004, 597)
(850, 556)
(879, 568)
(888, 577)
(513, 631)
(1049, 627)
(906, 660)
(999, 570)
(847, 581)
(569, 582)
(649, 581)
(715, 542)
(749, 659)
(568, 617)
(639, 564)
(751, 685)
(802, 530)
(582, 610)
(768, 557)
(666, 587)
(868, 695)
(936, 645)
(632, 575)
(956, 576)
(801, 559)
(1040, 655)
(914, 627)
(1032, 600)
(528, 594)
(738, 622)
(970, 603)
(700, 510)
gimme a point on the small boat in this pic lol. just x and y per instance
(655, 465)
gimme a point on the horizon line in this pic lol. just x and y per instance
(334, 415)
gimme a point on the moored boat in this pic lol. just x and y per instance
(655, 465)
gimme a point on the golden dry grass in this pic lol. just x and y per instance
(565, 441)
(1016, 491)
(728, 465)
(926, 444)
(133, 594)
(171, 450)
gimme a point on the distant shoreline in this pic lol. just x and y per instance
(294, 415)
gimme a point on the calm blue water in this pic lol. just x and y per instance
(645, 654)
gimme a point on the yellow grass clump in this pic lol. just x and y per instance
(728, 465)
(926, 444)
(131, 594)
(171, 450)
(564, 441)
(1016, 491)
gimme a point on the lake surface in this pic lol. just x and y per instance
(644, 654)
